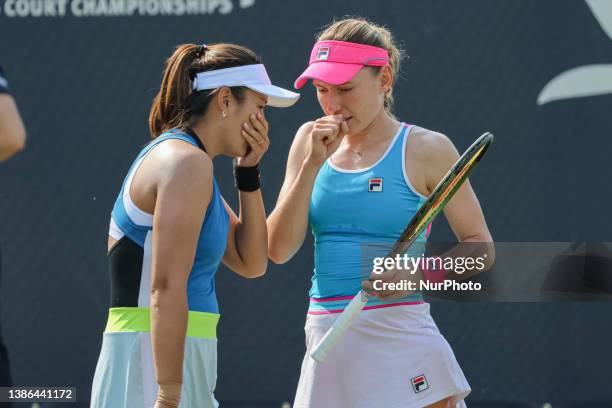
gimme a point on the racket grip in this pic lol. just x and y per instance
(340, 326)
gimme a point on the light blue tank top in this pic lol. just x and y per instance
(356, 215)
(211, 242)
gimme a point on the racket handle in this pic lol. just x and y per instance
(340, 326)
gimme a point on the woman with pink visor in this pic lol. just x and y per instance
(357, 175)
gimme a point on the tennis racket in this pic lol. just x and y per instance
(443, 192)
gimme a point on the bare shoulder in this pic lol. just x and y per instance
(301, 136)
(6, 99)
(182, 163)
(306, 127)
(427, 145)
(429, 155)
(298, 147)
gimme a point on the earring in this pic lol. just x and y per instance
(223, 114)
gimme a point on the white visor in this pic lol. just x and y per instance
(253, 77)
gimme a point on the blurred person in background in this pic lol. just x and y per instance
(12, 140)
(12, 131)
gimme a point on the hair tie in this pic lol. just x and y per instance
(200, 50)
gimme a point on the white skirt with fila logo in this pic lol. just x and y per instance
(392, 357)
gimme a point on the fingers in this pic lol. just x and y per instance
(334, 144)
(251, 135)
(255, 133)
(379, 285)
(263, 120)
(253, 141)
(327, 135)
(328, 132)
(260, 136)
(255, 150)
(338, 128)
(368, 287)
(335, 119)
(334, 126)
(257, 128)
(344, 129)
(258, 123)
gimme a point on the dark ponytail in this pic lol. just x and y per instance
(176, 105)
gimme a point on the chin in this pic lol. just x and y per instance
(355, 127)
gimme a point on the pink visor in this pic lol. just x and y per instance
(337, 62)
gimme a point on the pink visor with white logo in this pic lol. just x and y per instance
(337, 62)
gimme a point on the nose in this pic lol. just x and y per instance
(333, 105)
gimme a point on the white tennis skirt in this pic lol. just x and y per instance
(392, 357)
(125, 373)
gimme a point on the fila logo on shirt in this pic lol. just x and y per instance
(323, 53)
(419, 383)
(375, 185)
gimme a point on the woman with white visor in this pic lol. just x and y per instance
(170, 228)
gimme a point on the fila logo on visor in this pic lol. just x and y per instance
(323, 53)
(375, 185)
(419, 383)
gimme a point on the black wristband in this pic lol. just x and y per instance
(246, 178)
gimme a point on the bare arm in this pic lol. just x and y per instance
(463, 211)
(246, 252)
(12, 131)
(184, 185)
(288, 223)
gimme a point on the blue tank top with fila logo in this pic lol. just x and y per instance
(355, 216)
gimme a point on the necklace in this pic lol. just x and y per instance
(355, 151)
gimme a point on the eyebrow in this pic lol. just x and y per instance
(344, 84)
